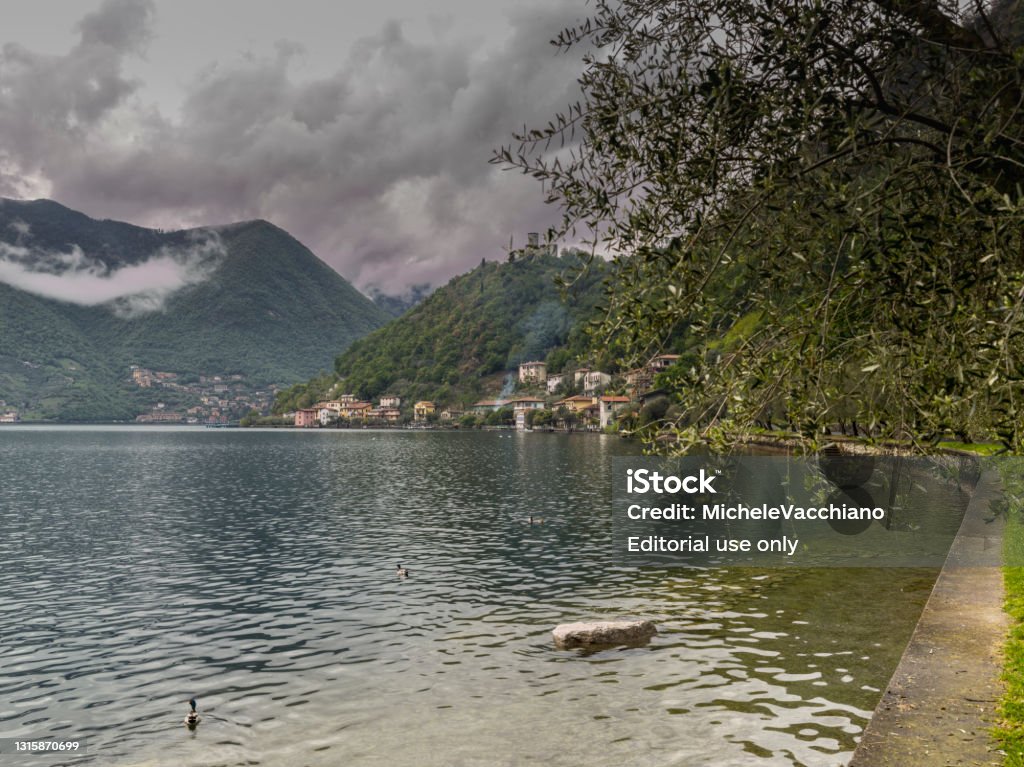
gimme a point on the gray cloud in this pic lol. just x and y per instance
(123, 25)
(20, 228)
(73, 277)
(381, 169)
(52, 106)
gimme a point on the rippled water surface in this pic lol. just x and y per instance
(256, 571)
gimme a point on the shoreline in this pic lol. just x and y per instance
(940, 703)
(290, 427)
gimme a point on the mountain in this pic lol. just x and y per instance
(250, 302)
(397, 305)
(459, 343)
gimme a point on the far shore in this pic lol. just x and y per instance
(291, 427)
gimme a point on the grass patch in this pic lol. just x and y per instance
(742, 329)
(978, 448)
(1010, 729)
(739, 332)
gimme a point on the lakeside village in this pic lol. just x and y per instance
(214, 400)
(200, 399)
(221, 400)
(591, 410)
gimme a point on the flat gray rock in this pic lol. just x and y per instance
(570, 635)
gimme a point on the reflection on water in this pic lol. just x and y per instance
(256, 571)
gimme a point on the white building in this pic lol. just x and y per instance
(522, 406)
(595, 380)
(327, 414)
(608, 406)
(662, 362)
(533, 372)
(525, 403)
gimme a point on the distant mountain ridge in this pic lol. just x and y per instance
(251, 301)
(397, 305)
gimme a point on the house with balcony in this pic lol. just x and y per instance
(386, 414)
(422, 409)
(584, 408)
(577, 403)
(307, 417)
(355, 410)
(661, 363)
(521, 406)
(594, 381)
(328, 412)
(533, 373)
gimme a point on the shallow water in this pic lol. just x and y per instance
(255, 570)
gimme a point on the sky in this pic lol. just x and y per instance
(364, 129)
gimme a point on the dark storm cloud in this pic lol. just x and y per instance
(122, 25)
(382, 168)
(49, 105)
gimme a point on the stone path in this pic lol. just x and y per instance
(940, 702)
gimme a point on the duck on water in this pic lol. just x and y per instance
(193, 716)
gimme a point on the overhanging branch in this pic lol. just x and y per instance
(937, 26)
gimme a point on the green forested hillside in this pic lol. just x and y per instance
(268, 309)
(457, 345)
(49, 227)
(50, 365)
(271, 310)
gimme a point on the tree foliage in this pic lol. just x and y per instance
(818, 200)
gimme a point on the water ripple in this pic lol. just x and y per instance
(255, 571)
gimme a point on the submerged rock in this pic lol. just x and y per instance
(570, 635)
(845, 470)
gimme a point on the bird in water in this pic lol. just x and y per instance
(193, 716)
(532, 520)
(402, 572)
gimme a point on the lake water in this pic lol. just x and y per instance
(255, 570)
